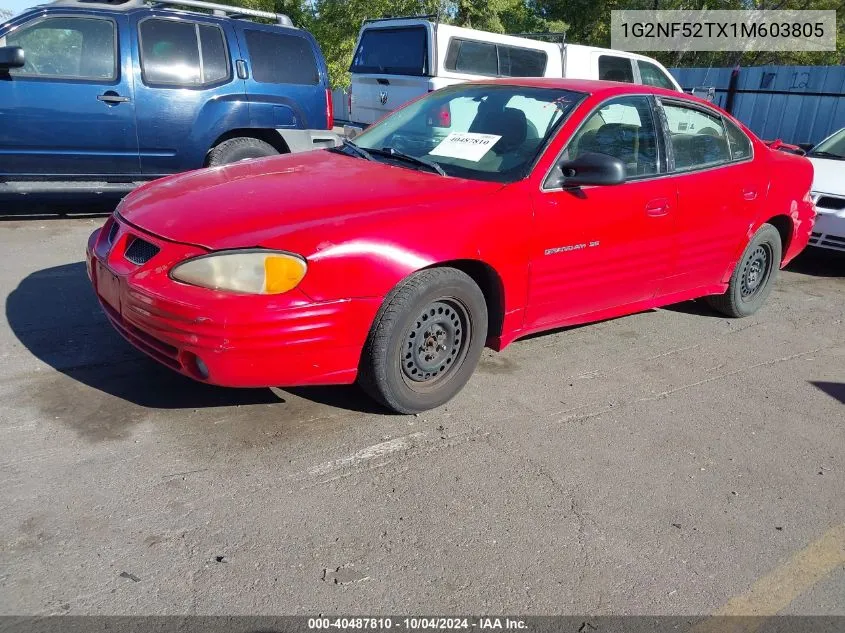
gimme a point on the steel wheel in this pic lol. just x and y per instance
(755, 272)
(435, 344)
(425, 341)
(753, 277)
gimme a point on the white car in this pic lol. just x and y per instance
(828, 158)
(399, 59)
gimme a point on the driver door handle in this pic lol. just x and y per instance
(749, 194)
(657, 207)
(112, 97)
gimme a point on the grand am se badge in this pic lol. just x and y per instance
(570, 247)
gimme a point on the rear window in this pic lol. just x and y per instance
(399, 51)
(281, 59)
(494, 60)
(612, 68)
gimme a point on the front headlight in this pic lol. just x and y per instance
(255, 271)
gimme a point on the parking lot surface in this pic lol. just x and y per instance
(669, 462)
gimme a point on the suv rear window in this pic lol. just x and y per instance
(487, 58)
(281, 59)
(170, 53)
(399, 51)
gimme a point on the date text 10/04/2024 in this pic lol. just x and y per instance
(417, 623)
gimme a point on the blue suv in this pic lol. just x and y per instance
(101, 96)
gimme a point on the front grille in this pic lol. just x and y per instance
(115, 227)
(829, 202)
(140, 252)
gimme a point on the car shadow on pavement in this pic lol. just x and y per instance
(55, 315)
(818, 262)
(57, 207)
(696, 307)
(835, 390)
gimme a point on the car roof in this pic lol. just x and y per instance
(592, 87)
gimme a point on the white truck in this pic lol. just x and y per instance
(399, 59)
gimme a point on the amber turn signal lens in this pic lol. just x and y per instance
(282, 273)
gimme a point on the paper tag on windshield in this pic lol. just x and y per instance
(465, 145)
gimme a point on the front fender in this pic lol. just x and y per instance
(369, 261)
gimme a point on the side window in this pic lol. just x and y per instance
(612, 68)
(215, 56)
(477, 58)
(738, 142)
(170, 53)
(66, 48)
(698, 138)
(521, 62)
(651, 75)
(281, 59)
(623, 128)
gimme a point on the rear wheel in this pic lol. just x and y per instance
(425, 342)
(238, 149)
(753, 277)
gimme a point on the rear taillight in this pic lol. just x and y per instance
(329, 110)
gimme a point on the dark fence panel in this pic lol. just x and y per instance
(799, 104)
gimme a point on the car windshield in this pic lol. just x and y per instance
(831, 147)
(475, 131)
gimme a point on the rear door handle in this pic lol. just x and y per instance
(657, 208)
(749, 194)
(112, 97)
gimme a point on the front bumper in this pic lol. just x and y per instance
(829, 230)
(223, 338)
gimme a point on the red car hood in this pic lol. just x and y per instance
(247, 203)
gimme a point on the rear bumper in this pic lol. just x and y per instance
(306, 140)
(224, 339)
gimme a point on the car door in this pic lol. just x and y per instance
(188, 94)
(69, 111)
(599, 247)
(720, 190)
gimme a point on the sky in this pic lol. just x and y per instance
(16, 6)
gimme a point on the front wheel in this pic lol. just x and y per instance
(754, 276)
(425, 341)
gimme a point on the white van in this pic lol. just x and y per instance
(399, 59)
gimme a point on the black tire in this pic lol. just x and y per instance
(237, 149)
(444, 311)
(754, 276)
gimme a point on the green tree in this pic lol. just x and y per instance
(336, 23)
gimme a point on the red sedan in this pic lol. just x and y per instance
(474, 216)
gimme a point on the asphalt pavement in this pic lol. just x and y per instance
(669, 462)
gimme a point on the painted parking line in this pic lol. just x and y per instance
(776, 590)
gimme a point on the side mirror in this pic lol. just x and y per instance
(589, 168)
(11, 57)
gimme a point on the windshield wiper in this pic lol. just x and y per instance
(827, 155)
(360, 151)
(395, 153)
